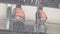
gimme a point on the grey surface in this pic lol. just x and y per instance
(12, 32)
(52, 28)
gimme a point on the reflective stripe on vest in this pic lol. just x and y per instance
(19, 12)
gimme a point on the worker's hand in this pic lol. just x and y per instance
(17, 17)
(45, 24)
(43, 19)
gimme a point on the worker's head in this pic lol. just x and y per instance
(18, 6)
(40, 6)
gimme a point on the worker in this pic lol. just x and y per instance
(20, 13)
(18, 17)
(40, 19)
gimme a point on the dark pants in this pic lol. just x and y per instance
(40, 27)
(18, 26)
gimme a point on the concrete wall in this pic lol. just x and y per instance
(53, 14)
(2, 16)
(2, 11)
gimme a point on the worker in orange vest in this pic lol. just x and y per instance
(41, 19)
(18, 18)
(18, 13)
(43, 16)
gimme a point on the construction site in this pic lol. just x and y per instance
(50, 7)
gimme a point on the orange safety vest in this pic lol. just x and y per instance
(43, 16)
(19, 12)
